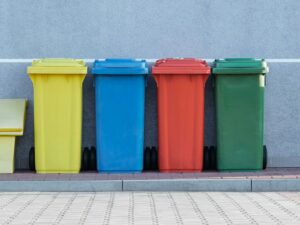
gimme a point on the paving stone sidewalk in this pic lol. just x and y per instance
(142, 208)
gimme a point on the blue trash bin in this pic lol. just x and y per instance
(120, 105)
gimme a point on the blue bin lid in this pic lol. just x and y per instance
(120, 66)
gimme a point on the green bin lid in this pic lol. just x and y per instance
(57, 66)
(240, 66)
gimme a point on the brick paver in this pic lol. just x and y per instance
(150, 208)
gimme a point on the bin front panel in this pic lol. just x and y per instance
(57, 122)
(240, 112)
(120, 107)
(7, 154)
(180, 121)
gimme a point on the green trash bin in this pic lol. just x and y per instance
(239, 94)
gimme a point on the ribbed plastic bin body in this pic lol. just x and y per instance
(12, 122)
(57, 114)
(181, 94)
(120, 105)
(239, 90)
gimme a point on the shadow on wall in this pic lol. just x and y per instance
(209, 108)
(151, 124)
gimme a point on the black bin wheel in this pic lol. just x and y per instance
(213, 158)
(265, 157)
(206, 161)
(93, 159)
(31, 159)
(147, 159)
(154, 159)
(85, 159)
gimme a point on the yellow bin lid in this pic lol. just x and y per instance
(12, 116)
(57, 66)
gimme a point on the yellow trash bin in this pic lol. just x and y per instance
(12, 120)
(57, 87)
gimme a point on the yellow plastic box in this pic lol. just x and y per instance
(12, 120)
(57, 87)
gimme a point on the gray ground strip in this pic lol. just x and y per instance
(227, 185)
(272, 179)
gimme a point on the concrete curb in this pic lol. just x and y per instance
(260, 185)
(211, 185)
(239, 185)
(61, 186)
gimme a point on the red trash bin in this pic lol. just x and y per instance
(181, 88)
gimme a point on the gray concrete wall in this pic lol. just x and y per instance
(157, 29)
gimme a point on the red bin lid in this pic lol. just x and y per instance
(181, 66)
